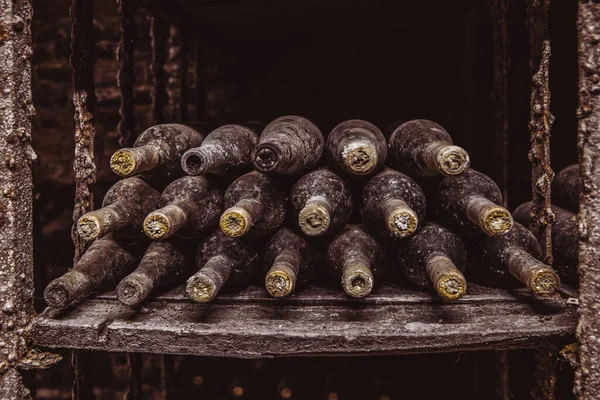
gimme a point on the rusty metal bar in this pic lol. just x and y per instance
(159, 44)
(126, 76)
(499, 10)
(84, 99)
(134, 386)
(587, 384)
(540, 124)
(16, 194)
(544, 375)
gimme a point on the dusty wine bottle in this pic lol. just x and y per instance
(191, 206)
(225, 151)
(517, 253)
(163, 262)
(392, 204)
(356, 258)
(356, 147)
(289, 145)
(286, 387)
(105, 261)
(434, 256)
(123, 210)
(225, 264)
(157, 151)
(254, 206)
(321, 202)
(423, 148)
(470, 203)
(566, 188)
(565, 240)
(291, 262)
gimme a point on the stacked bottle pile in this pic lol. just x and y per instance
(290, 207)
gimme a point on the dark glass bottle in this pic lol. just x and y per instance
(124, 208)
(321, 203)
(423, 148)
(289, 145)
(254, 206)
(225, 152)
(434, 257)
(157, 152)
(392, 204)
(565, 240)
(106, 261)
(163, 262)
(356, 147)
(566, 188)
(225, 264)
(355, 258)
(191, 206)
(470, 203)
(517, 253)
(290, 262)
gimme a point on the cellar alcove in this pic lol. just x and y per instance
(382, 61)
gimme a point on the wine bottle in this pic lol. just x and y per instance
(517, 253)
(566, 188)
(225, 151)
(163, 262)
(157, 151)
(254, 206)
(289, 145)
(392, 204)
(434, 256)
(356, 147)
(225, 264)
(286, 387)
(565, 240)
(105, 261)
(191, 206)
(123, 210)
(470, 203)
(356, 258)
(291, 262)
(321, 203)
(423, 148)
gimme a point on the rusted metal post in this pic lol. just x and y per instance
(587, 384)
(16, 194)
(126, 76)
(159, 95)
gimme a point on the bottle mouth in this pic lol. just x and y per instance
(545, 282)
(278, 284)
(498, 221)
(193, 162)
(402, 223)
(357, 280)
(130, 292)
(266, 157)
(157, 226)
(453, 160)
(57, 295)
(201, 288)
(314, 219)
(451, 287)
(235, 222)
(89, 227)
(361, 159)
(123, 163)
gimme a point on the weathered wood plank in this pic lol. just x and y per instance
(311, 325)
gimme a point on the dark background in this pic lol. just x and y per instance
(382, 61)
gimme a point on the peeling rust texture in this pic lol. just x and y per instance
(16, 218)
(84, 99)
(126, 76)
(587, 382)
(540, 124)
(174, 74)
(546, 368)
(159, 37)
(499, 10)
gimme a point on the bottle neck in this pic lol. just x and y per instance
(447, 280)
(134, 160)
(163, 223)
(539, 278)
(281, 279)
(67, 289)
(357, 278)
(359, 155)
(238, 220)
(275, 154)
(206, 159)
(443, 158)
(205, 284)
(314, 219)
(110, 218)
(493, 219)
(401, 220)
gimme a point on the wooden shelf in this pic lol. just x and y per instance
(316, 321)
